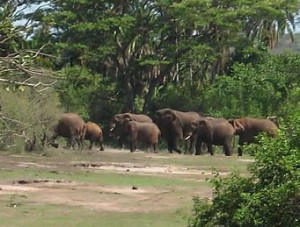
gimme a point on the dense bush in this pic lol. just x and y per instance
(254, 90)
(88, 94)
(24, 112)
(270, 196)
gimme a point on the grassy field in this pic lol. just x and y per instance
(111, 188)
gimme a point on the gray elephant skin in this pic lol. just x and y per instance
(175, 126)
(115, 125)
(93, 133)
(248, 128)
(70, 126)
(145, 132)
(213, 131)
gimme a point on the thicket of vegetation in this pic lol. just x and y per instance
(98, 58)
(270, 196)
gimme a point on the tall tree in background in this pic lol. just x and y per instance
(142, 45)
(19, 62)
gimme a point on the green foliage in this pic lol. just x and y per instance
(24, 112)
(181, 97)
(254, 89)
(141, 45)
(87, 93)
(76, 88)
(270, 196)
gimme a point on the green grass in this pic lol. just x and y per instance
(59, 165)
(30, 214)
(101, 177)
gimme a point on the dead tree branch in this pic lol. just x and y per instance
(34, 85)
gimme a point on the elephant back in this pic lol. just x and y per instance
(251, 127)
(92, 131)
(257, 125)
(70, 124)
(147, 131)
(175, 122)
(118, 119)
(138, 117)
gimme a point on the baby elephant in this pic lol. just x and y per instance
(146, 132)
(93, 133)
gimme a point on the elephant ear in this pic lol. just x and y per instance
(125, 124)
(127, 116)
(176, 123)
(169, 116)
(237, 125)
(206, 128)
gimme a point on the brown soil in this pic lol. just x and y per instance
(107, 198)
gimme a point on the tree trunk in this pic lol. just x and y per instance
(130, 95)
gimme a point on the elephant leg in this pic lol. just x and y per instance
(154, 145)
(101, 145)
(133, 145)
(240, 149)
(228, 150)
(69, 143)
(76, 139)
(79, 142)
(210, 148)
(170, 146)
(121, 142)
(72, 142)
(192, 141)
(186, 146)
(91, 144)
(175, 148)
(198, 147)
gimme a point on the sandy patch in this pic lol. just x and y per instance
(95, 197)
(152, 170)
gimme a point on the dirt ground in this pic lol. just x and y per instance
(104, 198)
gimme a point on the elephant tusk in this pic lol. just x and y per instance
(112, 129)
(187, 138)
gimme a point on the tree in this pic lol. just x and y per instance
(270, 196)
(142, 46)
(24, 83)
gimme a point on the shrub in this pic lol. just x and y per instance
(25, 113)
(270, 196)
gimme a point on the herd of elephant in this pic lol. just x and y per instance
(172, 126)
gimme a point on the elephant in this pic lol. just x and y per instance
(93, 133)
(70, 126)
(115, 125)
(146, 132)
(248, 128)
(175, 126)
(213, 131)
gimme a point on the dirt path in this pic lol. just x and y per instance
(103, 197)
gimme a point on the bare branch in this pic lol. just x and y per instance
(10, 119)
(34, 85)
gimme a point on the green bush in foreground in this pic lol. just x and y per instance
(270, 196)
